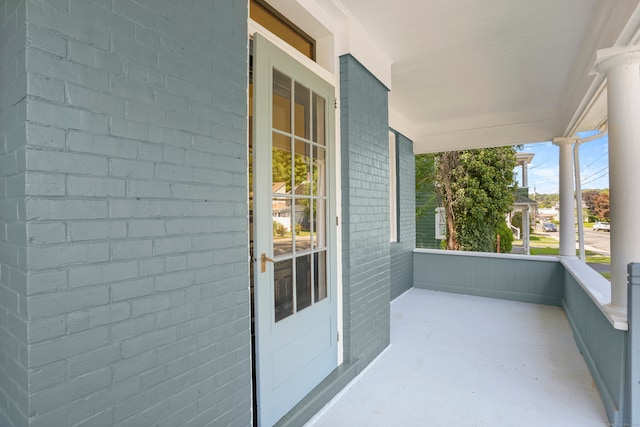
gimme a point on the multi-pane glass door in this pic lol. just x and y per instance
(299, 199)
(294, 240)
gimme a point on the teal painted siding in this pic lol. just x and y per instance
(365, 212)
(124, 281)
(402, 251)
(632, 402)
(14, 380)
(602, 346)
(535, 280)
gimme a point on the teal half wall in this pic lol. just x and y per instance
(511, 277)
(603, 347)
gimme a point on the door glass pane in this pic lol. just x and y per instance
(283, 289)
(281, 164)
(302, 168)
(282, 234)
(319, 119)
(303, 227)
(320, 224)
(281, 202)
(319, 172)
(302, 174)
(281, 101)
(303, 282)
(302, 111)
(320, 276)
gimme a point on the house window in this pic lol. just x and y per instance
(393, 186)
(441, 223)
(273, 21)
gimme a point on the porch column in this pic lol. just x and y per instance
(526, 236)
(567, 221)
(622, 68)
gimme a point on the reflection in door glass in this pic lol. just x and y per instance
(303, 282)
(302, 194)
(282, 234)
(302, 167)
(318, 119)
(303, 238)
(320, 276)
(283, 289)
(302, 111)
(320, 224)
(281, 164)
(319, 172)
(281, 101)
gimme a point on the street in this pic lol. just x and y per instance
(597, 241)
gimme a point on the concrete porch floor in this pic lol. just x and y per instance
(459, 360)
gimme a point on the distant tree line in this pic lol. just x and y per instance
(597, 202)
(547, 200)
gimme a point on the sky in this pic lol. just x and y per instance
(543, 169)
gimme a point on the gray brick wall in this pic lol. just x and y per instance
(135, 215)
(14, 381)
(365, 215)
(401, 267)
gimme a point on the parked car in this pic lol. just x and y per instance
(601, 226)
(549, 226)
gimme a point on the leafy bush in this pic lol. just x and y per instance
(279, 229)
(506, 237)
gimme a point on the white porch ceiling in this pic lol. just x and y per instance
(472, 73)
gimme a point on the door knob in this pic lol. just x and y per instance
(263, 262)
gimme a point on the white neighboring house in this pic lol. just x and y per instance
(549, 214)
(282, 207)
(522, 203)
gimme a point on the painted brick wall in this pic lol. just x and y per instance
(365, 215)
(136, 213)
(401, 267)
(13, 245)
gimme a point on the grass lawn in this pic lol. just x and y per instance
(543, 245)
(590, 256)
(544, 251)
(597, 258)
(539, 240)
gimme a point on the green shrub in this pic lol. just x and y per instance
(506, 237)
(279, 229)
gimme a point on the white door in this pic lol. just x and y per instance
(295, 280)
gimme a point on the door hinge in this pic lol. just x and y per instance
(335, 103)
(337, 221)
(338, 336)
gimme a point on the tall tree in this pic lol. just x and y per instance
(426, 201)
(476, 188)
(601, 206)
(589, 197)
(425, 181)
